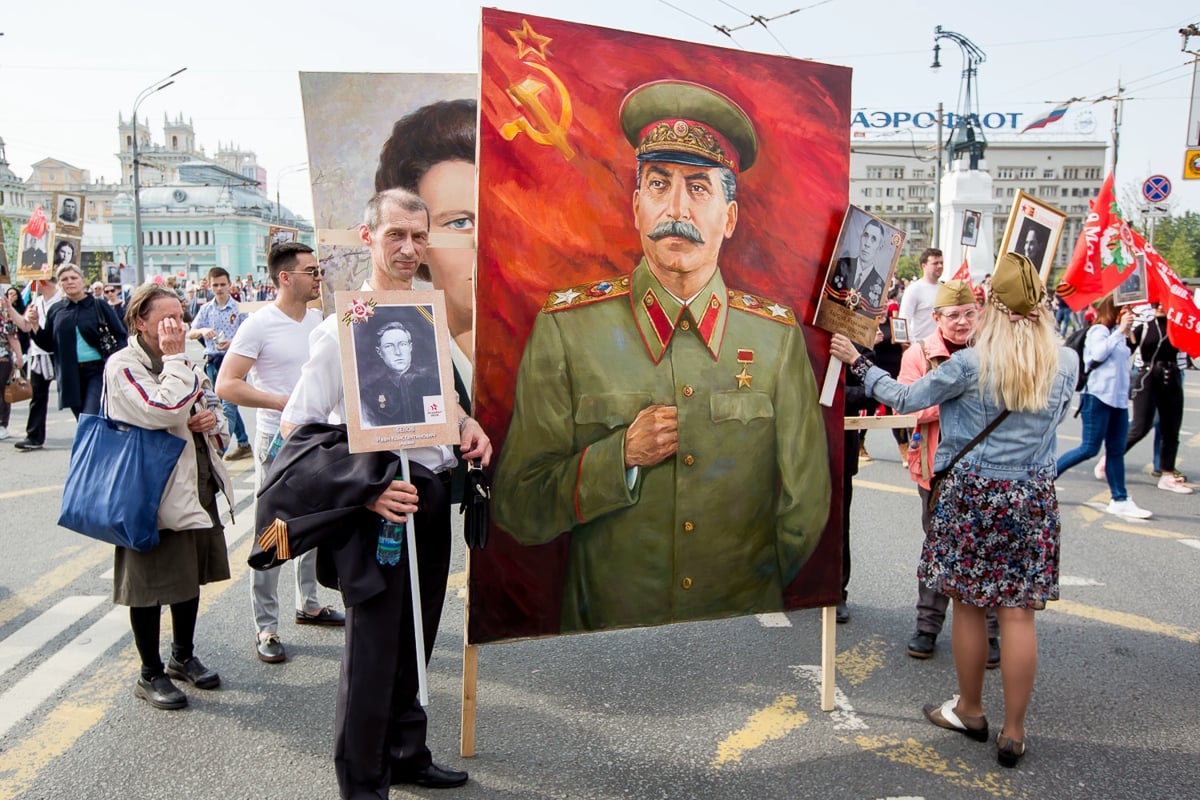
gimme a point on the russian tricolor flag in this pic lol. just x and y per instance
(1054, 116)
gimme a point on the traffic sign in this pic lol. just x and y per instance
(1191, 165)
(1157, 188)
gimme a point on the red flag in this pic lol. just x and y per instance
(963, 274)
(1165, 287)
(1104, 253)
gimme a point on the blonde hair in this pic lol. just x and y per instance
(1018, 360)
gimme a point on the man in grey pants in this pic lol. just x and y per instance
(271, 346)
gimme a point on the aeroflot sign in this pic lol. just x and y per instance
(993, 120)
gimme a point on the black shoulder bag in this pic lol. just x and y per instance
(108, 341)
(935, 482)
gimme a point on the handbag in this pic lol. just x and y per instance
(935, 482)
(108, 341)
(17, 389)
(476, 496)
(115, 481)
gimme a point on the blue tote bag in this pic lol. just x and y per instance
(115, 481)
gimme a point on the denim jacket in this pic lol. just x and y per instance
(1022, 447)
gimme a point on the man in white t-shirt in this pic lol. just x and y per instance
(917, 304)
(271, 347)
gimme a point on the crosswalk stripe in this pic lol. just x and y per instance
(1191, 543)
(774, 619)
(44, 681)
(37, 633)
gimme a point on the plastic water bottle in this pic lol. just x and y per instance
(391, 543)
(914, 442)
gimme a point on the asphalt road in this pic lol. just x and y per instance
(725, 709)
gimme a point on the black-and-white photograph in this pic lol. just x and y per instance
(1033, 230)
(854, 298)
(68, 211)
(396, 356)
(35, 257)
(112, 273)
(970, 228)
(66, 251)
(1133, 289)
(278, 234)
(899, 330)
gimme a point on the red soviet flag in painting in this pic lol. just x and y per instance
(1165, 287)
(1104, 253)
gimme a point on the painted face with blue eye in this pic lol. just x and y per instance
(448, 188)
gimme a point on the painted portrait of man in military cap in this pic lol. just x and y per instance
(665, 457)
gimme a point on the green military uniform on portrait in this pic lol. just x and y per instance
(720, 528)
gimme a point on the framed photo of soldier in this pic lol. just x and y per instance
(970, 228)
(34, 253)
(68, 213)
(278, 234)
(899, 330)
(396, 369)
(1033, 230)
(112, 273)
(854, 299)
(1133, 289)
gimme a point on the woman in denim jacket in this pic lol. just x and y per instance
(994, 537)
(1105, 403)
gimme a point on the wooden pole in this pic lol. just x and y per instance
(470, 677)
(415, 586)
(828, 655)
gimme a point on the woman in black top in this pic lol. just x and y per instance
(1158, 388)
(72, 331)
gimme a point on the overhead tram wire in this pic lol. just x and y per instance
(725, 31)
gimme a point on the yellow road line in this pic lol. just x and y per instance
(26, 492)
(856, 664)
(65, 723)
(885, 487)
(772, 722)
(1123, 620)
(912, 753)
(1152, 532)
(54, 580)
(457, 580)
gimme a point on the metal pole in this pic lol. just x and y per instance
(937, 186)
(1116, 132)
(137, 207)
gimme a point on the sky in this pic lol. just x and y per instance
(62, 86)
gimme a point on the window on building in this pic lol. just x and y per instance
(867, 192)
(918, 174)
(206, 237)
(1091, 174)
(160, 239)
(1010, 192)
(896, 172)
(889, 191)
(1070, 173)
(1026, 173)
(1064, 191)
(874, 173)
(1048, 174)
(129, 141)
(174, 142)
(1004, 173)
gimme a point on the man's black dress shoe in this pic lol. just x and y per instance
(993, 660)
(160, 693)
(921, 644)
(432, 777)
(194, 673)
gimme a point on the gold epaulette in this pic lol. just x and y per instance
(586, 293)
(761, 306)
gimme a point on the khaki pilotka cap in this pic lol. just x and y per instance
(954, 293)
(1016, 287)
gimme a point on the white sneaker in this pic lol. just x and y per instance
(1099, 471)
(1128, 508)
(1173, 482)
(3, 433)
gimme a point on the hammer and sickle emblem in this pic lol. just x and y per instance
(544, 129)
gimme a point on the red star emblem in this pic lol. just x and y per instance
(529, 41)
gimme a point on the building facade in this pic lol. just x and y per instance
(894, 169)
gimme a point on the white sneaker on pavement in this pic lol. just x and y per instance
(1099, 470)
(1174, 482)
(3, 433)
(1128, 508)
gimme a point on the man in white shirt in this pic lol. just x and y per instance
(270, 347)
(379, 725)
(917, 304)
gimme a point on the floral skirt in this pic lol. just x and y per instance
(993, 542)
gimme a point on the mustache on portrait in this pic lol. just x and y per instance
(676, 227)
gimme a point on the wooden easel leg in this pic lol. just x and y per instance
(828, 654)
(466, 742)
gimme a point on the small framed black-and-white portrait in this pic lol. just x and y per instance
(970, 228)
(899, 330)
(396, 368)
(1033, 230)
(1133, 289)
(68, 213)
(854, 299)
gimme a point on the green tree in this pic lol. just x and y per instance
(1178, 240)
(908, 267)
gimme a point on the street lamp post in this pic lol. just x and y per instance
(157, 86)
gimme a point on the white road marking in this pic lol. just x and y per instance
(44, 681)
(107, 575)
(843, 716)
(234, 533)
(1074, 580)
(50, 624)
(775, 619)
(1190, 542)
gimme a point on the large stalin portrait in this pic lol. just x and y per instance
(666, 420)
